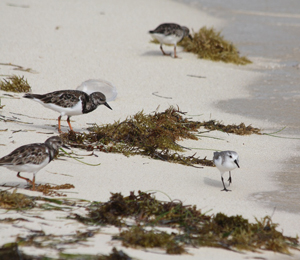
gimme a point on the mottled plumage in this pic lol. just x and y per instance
(170, 33)
(32, 157)
(226, 161)
(70, 102)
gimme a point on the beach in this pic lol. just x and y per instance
(66, 43)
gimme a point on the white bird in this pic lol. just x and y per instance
(226, 161)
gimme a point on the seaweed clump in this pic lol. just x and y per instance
(195, 228)
(209, 44)
(137, 236)
(49, 190)
(240, 129)
(15, 200)
(15, 84)
(154, 135)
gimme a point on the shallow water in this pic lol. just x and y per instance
(269, 29)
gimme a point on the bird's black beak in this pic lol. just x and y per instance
(235, 161)
(190, 36)
(107, 105)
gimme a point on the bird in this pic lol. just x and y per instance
(70, 103)
(170, 33)
(226, 161)
(32, 157)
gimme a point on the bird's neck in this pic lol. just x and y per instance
(88, 106)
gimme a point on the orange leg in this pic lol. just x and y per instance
(26, 179)
(175, 56)
(68, 120)
(59, 130)
(164, 51)
(33, 182)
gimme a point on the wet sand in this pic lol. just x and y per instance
(268, 32)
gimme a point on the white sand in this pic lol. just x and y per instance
(68, 42)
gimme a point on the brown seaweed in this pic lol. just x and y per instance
(195, 228)
(154, 135)
(210, 44)
(15, 84)
(14, 200)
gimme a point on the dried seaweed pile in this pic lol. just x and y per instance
(49, 190)
(209, 44)
(240, 129)
(11, 251)
(15, 84)
(192, 226)
(154, 135)
(14, 200)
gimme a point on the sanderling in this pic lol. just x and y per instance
(70, 102)
(32, 157)
(226, 161)
(170, 33)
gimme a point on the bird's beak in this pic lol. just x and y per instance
(107, 105)
(190, 36)
(236, 163)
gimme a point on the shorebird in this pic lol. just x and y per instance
(70, 103)
(32, 157)
(170, 33)
(226, 161)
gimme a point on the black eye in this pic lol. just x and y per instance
(230, 156)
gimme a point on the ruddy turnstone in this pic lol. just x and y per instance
(226, 161)
(170, 33)
(32, 157)
(70, 103)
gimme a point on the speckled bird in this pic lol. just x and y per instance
(70, 103)
(32, 157)
(170, 33)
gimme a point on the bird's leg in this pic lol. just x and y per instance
(164, 51)
(68, 120)
(229, 179)
(224, 185)
(26, 179)
(59, 130)
(175, 56)
(33, 182)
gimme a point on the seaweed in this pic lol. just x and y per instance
(15, 84)
(114, 255)
(11, 251)
(49, 190)
(15, 200)
(210, 44)
(40, 239)
(137, 236)
(195, 228)
(240, 129)
(154, 135)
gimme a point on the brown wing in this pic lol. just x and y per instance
(32, 153)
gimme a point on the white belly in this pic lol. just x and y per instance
(27, 167)
(64, 111)
(169, 39)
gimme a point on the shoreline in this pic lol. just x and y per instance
(89, 48)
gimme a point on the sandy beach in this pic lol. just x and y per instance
(67, 42)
